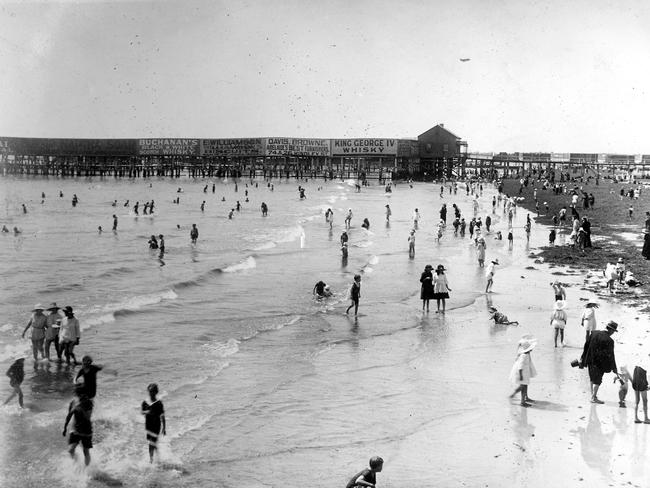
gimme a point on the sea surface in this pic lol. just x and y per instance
(263, 385)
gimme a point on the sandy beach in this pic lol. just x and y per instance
(291, 383)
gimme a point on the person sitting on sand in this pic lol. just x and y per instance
(367, 477)
(499, 318)
(620, 270)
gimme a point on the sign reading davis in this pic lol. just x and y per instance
(363, 147)
(232, 147)
(168, 147)
(285, 146)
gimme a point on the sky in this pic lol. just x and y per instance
(562, 76)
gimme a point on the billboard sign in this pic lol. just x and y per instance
(364, 147)
(232, 147)
(289, 146)
(168, 147)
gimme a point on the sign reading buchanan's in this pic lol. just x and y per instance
(168, 147)
(364, 147)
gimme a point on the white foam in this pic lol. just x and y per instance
(290, 235)
(6, 327)
(138, 301)
(223, 349)
(266, 245)
(102, 319)
(364, 244)
(248, 263)
(373, 260)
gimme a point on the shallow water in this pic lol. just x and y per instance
(261, 382)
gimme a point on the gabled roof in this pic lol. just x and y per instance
(441, 127)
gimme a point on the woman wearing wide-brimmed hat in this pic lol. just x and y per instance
(426, 289)
(588, 319)
(38, 323)
(440, 287)
(558, 320)
(523, 369)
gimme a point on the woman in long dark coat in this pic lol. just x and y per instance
(646, 246)
(426, 291)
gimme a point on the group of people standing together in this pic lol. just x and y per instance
(63, 331)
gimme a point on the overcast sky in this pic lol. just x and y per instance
(541, 76)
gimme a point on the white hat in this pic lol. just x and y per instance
(38, 306)
(526, 343)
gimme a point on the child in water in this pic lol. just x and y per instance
(154, 414)
(355, 294)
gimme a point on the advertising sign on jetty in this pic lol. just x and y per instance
(168, 147)
(232, 147)
(289, 146)
(408, 148)
(30, 146)
(364, 147)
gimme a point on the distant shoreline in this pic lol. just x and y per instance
(614, 234)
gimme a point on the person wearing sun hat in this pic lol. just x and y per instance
(52, 331)
(70, 334)
(440, 287)
(38, 323)
(558, 320)
(426, 288)
(489, 274)
(523, 369)
(598, 356)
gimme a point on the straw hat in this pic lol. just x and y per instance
(38, 306)
(526, 343)
(559, 305)
(53, 306)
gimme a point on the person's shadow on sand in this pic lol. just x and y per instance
(595, 446)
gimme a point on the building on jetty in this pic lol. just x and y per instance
(436, 153)
(363, 158)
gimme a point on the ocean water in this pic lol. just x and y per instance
(263, 385)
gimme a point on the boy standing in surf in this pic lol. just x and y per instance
(154, 414)
(81, 409)
(355, 293)
(194, 234)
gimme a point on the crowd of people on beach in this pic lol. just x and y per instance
(61, 328)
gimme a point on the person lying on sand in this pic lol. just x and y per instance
(500, 318)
